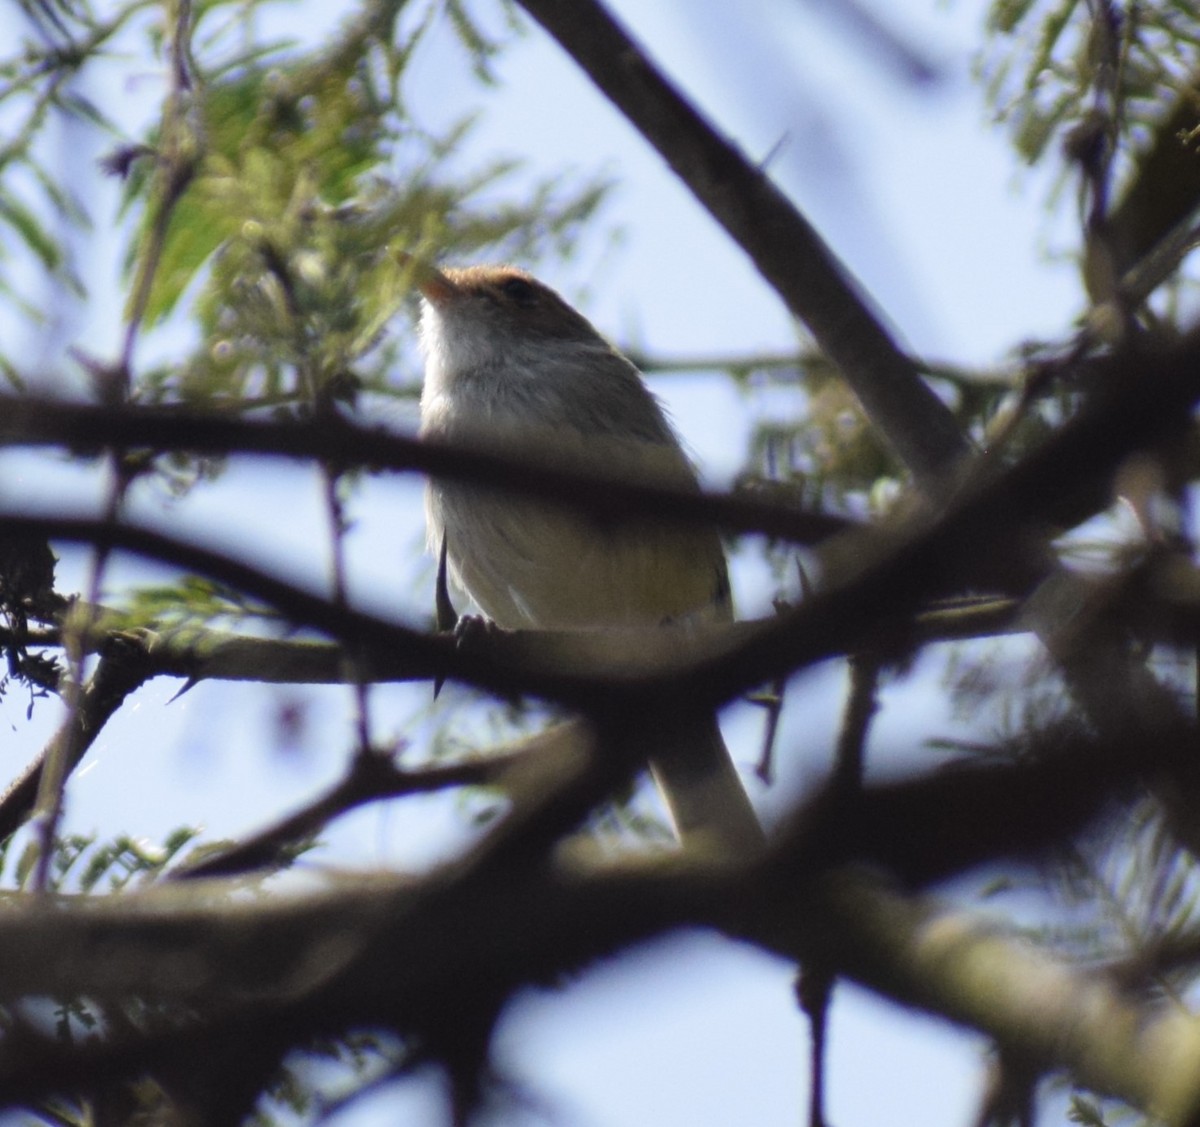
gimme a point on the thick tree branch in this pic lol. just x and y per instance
(912, 951)
(415, 955)
(198, 653)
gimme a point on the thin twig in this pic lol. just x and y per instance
(178, 154)
(122, 669)
(357, 676)
(861, 706)
(781, 363)
(816, 980)
(371, 778)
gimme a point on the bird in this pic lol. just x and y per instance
(510, 364)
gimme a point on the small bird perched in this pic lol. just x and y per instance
(510, 365)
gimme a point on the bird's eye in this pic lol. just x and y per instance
(519, 291)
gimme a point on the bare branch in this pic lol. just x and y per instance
(371, 777)
(29, 421)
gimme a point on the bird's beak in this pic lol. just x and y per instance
(433, 284)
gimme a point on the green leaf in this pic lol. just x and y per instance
(27, 225)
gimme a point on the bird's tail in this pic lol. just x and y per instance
(700, 784)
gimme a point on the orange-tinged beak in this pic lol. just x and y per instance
(433, 284)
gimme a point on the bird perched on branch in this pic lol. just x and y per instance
(510, 365)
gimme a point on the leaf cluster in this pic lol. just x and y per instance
(307, 186)
(1046, 60)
